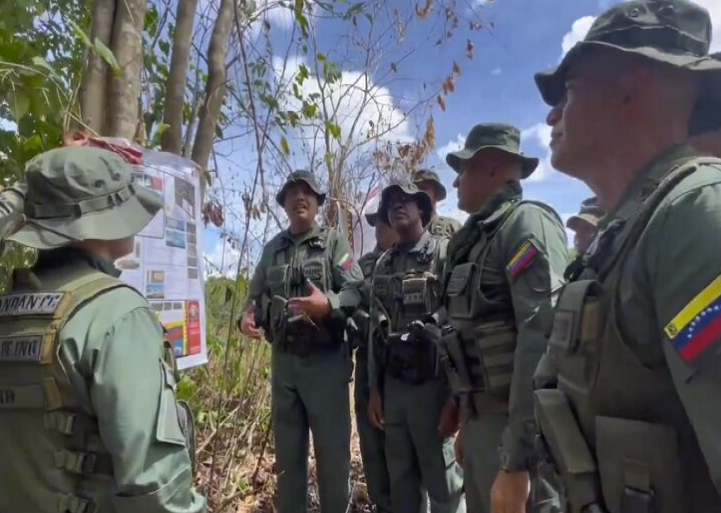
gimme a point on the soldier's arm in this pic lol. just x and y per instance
(534, 248)
(684, 270)
(345, 273)
(12, 203)
(133, 395)
(257, 283)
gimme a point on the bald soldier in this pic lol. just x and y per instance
(628, 393)
(503, 272)
(429, 182)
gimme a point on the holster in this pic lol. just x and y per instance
(411, 359)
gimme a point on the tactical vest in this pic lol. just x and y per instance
(63, 459)
(640, 447)
(478, 353)
(285, 279)
(405, 296)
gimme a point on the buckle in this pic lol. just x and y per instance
(637, 501)
(87, 462)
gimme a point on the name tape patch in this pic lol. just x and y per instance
(37, 303)
(23, 348)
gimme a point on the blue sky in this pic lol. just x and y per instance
(521, 38)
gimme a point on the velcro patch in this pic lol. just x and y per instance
(697, 327)
(22, 348)
(523, 259)
(36, 303)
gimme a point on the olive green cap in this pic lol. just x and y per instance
(423, 200)
(673, 32)
(300, 176)
(426, 175)
(81, 193)
(590, 213)
(499, 136)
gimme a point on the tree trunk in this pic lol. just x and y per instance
(124, 90)
(215, 89)
(92, 95)
(178, 76)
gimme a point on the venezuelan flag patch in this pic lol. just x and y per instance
(346, 262)
(697, 326)
(523, 259)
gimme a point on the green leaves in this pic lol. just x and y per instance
(107, 55)
(19, 103)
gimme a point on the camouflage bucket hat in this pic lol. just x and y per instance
(81, 193)
(499, 136)
(300, 176)
(426, 175)
(673, 32)
(590, 213)
(423, 200)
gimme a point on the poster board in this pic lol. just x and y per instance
(166, 265)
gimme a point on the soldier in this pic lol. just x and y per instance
(293, 298)
(632, 422)
(372, 439)
(12, 200)
(412, 409)
(584, 224)
(88, 413)
(429, 182)
(504, 268)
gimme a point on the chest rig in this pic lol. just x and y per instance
(616, 430)
(286, 278)
(54, 458)
(408, 289)
(478, 352)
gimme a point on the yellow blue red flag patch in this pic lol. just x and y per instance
(523, 259)
(346, 262)
(698, 325)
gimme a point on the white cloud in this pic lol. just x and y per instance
(453, 145)
(496, 72)
(359, 104)
(222, 260)
(579, 29)
(540, 134)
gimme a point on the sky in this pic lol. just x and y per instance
(521, 38)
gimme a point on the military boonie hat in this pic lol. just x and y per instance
(590, 213)
(499, 136)
(426, 175)
(673, 32)
(300, 176)
(411, 189)
(81, 193)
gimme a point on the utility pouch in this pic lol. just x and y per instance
(639, 466)
(569, 451)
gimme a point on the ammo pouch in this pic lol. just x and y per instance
(410, 359)
(639, 467)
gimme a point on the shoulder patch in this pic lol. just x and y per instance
(346, 262)
(523, 259)
(35, 303)
(698, 325)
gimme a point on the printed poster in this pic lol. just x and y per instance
(166, 265)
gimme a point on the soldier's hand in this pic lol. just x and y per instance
(510, 492)
(449, 419)
(375, 409)
(459, 447)
(314, 305)
(248, 326)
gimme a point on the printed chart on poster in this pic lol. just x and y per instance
(166, 265)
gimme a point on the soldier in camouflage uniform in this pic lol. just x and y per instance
(412, 405)
(627, 398)
(372, 439)
(504, 268)
(294, 298)
(89, 419)
(429, 182)
(585, 224)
